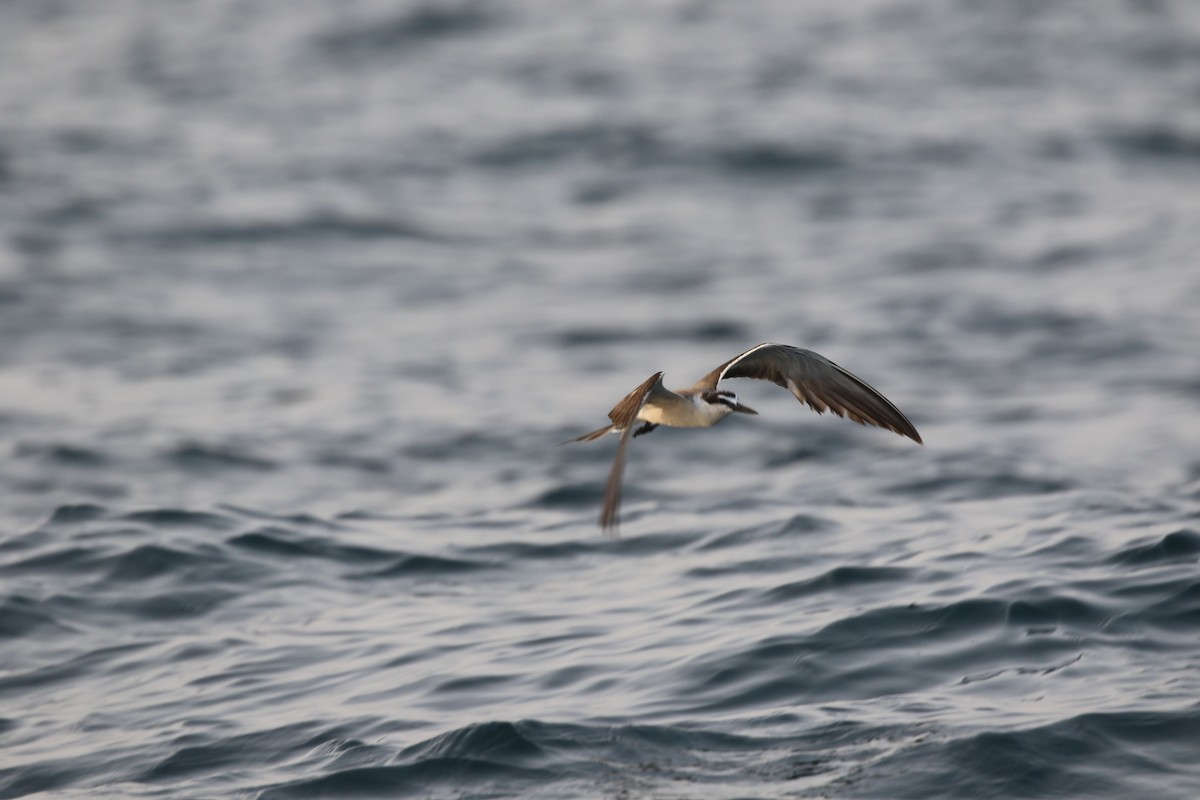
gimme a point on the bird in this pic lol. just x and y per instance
(811, 377)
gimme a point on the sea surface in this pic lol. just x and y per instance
(298, 298)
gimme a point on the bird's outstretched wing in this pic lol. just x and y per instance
(817, 381)
(624, 415)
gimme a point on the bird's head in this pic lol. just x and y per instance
(727, 399)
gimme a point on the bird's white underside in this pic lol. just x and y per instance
(701, 414)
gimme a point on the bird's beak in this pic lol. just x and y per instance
(744, 409)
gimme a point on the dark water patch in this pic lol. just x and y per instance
(1157, 141)
(880, 652)
(1053, 336)
(81, 666)
(205, 650)
(985, 317)
(832, 205)
(756, 566)
(259, 667)
(179, 518)
(416, 656)
(283, 542)
(136, 331)
(22, 617)
(76, 513)
(347, 753)
(600, 192)
(732, 598)
(367, 515)
(1064, 256)
(481, 778)
(1045, 614)
(1175, 50)
(1100, 506)
(320, 227)
(942, 151)
(1103, 755)
(610, 143)
(458, 447)
(67, 212)
(148, 561)
(574, 495)
(520, 552)
(797, 525)
(35, 779)
(426, 566)
(12, 295)
(696, 753)
(115, 566)
(1180, 612)
(652, 761)
(826, 443)
(425, 23)
(1076, 550)
(175, 605)
(492, 740)
(530, 758)
(651, 543)
(191, 757)
(698, 331)
(205, 459)
(885, 627)
(64, 455)
(297, 519)
(79, 139)
(367, 464)
(981, 486)
(63, 561)
(1180, 545)
(949, 254)
(486, 521)
(473, 685)
(776, 159)
(839, 579)
(560, 679)
(1187, 387)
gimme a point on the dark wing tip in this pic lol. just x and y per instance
(905, 429)
(831, 387)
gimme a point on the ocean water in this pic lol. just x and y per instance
(297, 299)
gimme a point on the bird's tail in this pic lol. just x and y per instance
(590, 437)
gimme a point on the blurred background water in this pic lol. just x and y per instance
(297, 297)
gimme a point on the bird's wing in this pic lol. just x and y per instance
(612, 490)
(817, 381)
(623, 415)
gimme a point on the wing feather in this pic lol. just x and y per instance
(816, 381)
(624, 415)
(612, 490)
